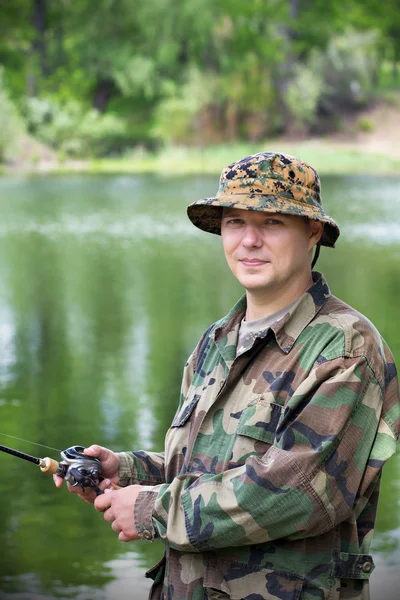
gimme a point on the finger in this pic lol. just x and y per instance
(88, 497)
(88, 494)
(92, 450)
(123, 537)
(58, 481)
(115, 527)
(109, 516)
(105, 485)
(97, 451)
(103, 502)
(76, 489)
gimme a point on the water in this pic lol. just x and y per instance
(105, 289)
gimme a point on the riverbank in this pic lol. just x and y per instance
(350, 151)
(327, 157)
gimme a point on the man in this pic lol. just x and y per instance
(289, 408)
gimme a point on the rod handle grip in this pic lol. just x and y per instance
(49, 465)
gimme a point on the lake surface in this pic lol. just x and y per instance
(105, 287)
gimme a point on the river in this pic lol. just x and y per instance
(105, 287)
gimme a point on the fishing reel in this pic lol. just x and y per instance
(76, 468)
(79, 469)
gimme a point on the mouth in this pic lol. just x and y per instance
(253, 262)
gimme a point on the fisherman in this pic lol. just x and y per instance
(289, 408)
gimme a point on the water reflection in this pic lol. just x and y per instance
(105, 289)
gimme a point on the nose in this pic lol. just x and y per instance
(252, 236)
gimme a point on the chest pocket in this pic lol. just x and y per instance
(259, 420)
(256, 429)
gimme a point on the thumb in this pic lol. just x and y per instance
(97, 451)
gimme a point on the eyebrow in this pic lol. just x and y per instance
(228, 212)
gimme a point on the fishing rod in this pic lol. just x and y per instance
(76, 468)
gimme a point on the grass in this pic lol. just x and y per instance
(327, 158)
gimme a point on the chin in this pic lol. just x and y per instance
(255, 287)
(256, 280)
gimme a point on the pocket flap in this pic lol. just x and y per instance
(259, 420)
(241, 581)
(185, 411)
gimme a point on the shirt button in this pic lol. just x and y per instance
(147, 535)
(367, 567)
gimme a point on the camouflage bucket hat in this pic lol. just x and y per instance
(269, 182)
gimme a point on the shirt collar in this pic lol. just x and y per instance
(287, 329)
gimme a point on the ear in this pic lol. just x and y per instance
(316, 229)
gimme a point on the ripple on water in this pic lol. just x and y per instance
(147, 227)
(380, 233)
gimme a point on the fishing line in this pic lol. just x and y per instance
(29, 442)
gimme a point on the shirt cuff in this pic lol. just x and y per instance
(143, 513)
(126, 469)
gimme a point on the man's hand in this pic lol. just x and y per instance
(110, 466)
(117, 507)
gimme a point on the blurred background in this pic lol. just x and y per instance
(121, 78)
(114, 116)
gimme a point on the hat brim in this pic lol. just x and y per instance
(206, 213)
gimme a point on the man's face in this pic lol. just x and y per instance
(265, 251)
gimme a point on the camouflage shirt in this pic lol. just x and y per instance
(269, 483)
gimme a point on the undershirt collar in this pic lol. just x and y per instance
(250, 330)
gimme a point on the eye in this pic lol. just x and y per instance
(273, 221)
(233, 221)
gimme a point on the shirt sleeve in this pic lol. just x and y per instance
(144, 468)
(331, 443)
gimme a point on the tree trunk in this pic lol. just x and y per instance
(294, 9)
(39, 42)
(102, 93)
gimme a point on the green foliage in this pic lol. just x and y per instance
(11, 125)
(347, 67)
(364, 124)
(168, 71)
(304, 93)
(138, 76)
(334, 80)
(178, 115)
(69, 128)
